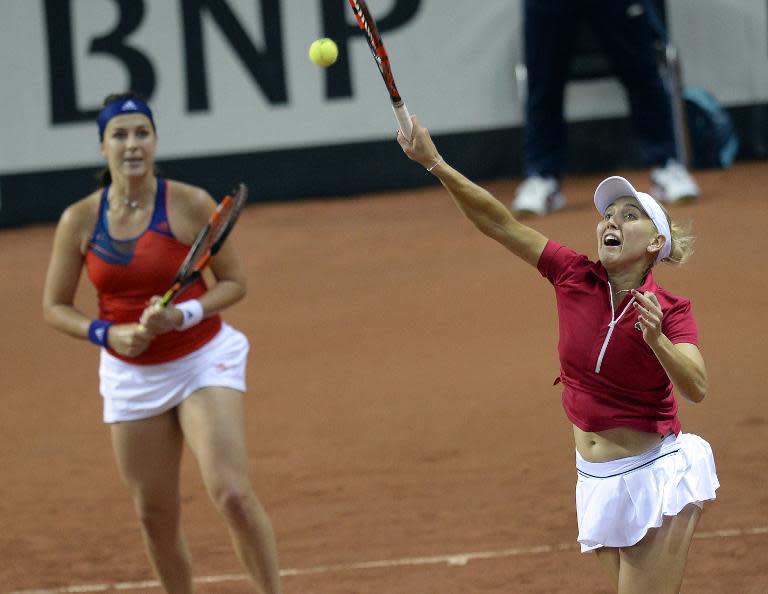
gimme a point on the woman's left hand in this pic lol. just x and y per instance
(650, 315)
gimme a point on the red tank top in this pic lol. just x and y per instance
(126, 273)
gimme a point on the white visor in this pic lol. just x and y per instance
(615, 187)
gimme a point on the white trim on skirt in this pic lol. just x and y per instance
(132, 392)
(617, 502)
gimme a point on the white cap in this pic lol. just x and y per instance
(615, 187)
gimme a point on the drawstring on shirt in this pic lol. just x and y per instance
(611, 326)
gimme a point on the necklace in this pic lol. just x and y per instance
(132, 204)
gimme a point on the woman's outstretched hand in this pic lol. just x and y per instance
(420, 147)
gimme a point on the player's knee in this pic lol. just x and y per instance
(157, 521)
(235, 503)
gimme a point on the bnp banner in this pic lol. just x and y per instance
(234, 92)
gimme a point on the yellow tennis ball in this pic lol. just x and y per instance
(323, 52)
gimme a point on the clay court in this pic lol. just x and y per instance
(404, 431)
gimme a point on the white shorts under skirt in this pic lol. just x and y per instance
(618, 501)
(134, 392)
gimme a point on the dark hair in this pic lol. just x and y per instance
(103, 176)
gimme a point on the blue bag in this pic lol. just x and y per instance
(713, 138)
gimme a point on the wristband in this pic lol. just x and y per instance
(192, 313)
(98, 331)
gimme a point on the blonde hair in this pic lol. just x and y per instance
(682, 241)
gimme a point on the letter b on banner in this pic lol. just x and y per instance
(58, 14)
(265, 65)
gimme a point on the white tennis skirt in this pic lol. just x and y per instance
(132, 392)
(617, 502)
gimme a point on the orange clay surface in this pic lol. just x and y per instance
(404, 433)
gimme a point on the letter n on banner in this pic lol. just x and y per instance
(265, 65)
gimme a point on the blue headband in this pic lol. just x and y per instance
(122, 107)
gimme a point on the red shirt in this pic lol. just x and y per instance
(611, 377)
(126, 273)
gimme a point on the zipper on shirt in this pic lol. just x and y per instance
(611, 326)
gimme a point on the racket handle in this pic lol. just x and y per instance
(169, 294)
(403, 119)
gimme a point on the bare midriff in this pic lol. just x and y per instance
(613, 444)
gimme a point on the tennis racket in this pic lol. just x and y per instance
(368, 26)
(207, 243)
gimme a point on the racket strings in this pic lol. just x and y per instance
(230, 211)
(199, 250)
(219, 224)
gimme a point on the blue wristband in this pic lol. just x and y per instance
(97, 332)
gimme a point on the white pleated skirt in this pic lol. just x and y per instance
(133, 392)
(617, 502)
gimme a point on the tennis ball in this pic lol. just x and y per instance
(323, 52)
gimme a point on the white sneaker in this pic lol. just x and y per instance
(673, 183)
(538, 196)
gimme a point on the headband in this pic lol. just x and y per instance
(121, 107)
(613, 188)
